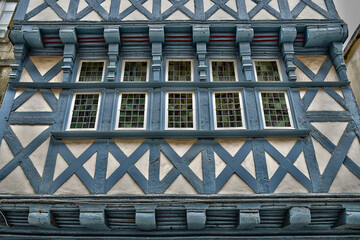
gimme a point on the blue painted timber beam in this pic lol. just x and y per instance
(145, 217)
(287, 38)
(249, 218)
(180, 134)
(201, 37)
(68, 35)
(337, 57)
(92, 216)
(349, 218)
(41, 216)
(112, 38)
(244, 36)
(297, 217)
(32, 36)
(196, 216)
(157, 39)
(149, 85)
(320, 36)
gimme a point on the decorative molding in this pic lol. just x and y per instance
(244, 36)
(145, 217)
(337, 57)
(287, 38)
(92, 216)
(41, 216)
(201, 37)
(249, 218)
(124, 214)
(297, 217)
(113, 53)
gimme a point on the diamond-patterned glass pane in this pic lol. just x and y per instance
(179, 71)
(91, 71)
(180, 110)
(84, 111)
(132, 110)
(275, 109)
(223, 71)
(135, 72)
(228, 110)
(267, 71)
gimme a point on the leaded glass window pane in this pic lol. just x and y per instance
(223, 71)
(275, 109)
(267, 71)
(84, 111)
(91, 72)
(135, 72)
(179, 71)
(180, 110)
(132, 110)
(228, 110)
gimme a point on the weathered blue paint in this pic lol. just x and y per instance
(239, 13)
(297, 217)
(182, 85)
(41, 216)
(36, 118)
(201, 49)
(145, 217)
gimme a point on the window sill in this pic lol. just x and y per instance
(160, 134)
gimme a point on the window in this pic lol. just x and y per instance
(6, 12)
(91, 71)
(84, 111)
(135, 71)
(179, 70)
(267, 70)
(180, 110)
(223, 70)
(228, 110)
(275, 110)
(132, 111)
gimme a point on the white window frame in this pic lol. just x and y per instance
(287, 106)
(90, 60)
(167, 110)
(241, 108)
(118, 111)
(268, 60)
(72, 110)
(179, 60)
(224, 60)
(135, 60)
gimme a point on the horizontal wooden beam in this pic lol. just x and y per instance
(144, 85)
(180, 134)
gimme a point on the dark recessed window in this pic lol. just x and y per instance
(179, 71)
(267, 71)
(276, 110)
(228, 110)
(135, 71)
(84, 111)
(91, 71)
(180, 110)
(223, 71)
(132, 110)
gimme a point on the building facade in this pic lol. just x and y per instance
(352, 60)
(7, 9)
(192, 119)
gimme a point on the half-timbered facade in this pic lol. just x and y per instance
(189, 118)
